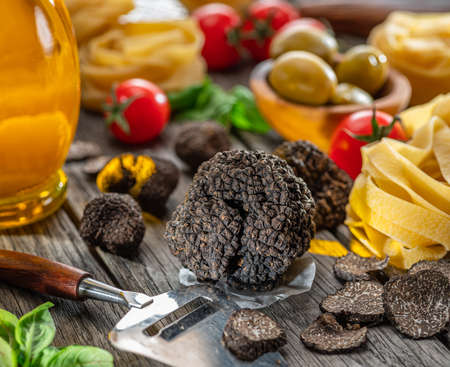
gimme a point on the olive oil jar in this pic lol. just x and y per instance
(39, 107)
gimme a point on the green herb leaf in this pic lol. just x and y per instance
(45, 357)
(8, 323)
(7, 355)
(82, 356)
(34, 332)
(187, 98)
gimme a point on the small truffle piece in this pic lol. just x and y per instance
(149, 180)
(80, 150)
(330, 186)
(114, 222)
(352, 267)
(356, 303)
(94, 165)
(417, 304)
(197, 142)
(244, 220)
(249, 334)
(442, 266)
(326, 335)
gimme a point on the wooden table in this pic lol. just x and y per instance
(155, 270)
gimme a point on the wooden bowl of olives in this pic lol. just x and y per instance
(308, 88)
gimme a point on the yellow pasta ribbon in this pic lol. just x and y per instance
(328, 248)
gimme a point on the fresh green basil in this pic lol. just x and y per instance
(81, 356)
(34, 332)
(8, 323)
(208, 101)
(45, 357)
(7, 354)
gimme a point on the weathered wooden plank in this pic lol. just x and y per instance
(85, 323)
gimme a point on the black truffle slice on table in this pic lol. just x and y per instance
(113, 222)
(418, 304)
(197, 142)
(442, 266)
(356, 303)
(249, 334)
(352, 267)
(330, 186)
(326, 335)
(244, 220)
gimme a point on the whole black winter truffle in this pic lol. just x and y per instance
(249, 334)
(329, 185)
(113, 222)
(353, 267)
(418, 304)
(197, 142)
(244, 220)
(326, 335)
(149, 180)
(356, 303)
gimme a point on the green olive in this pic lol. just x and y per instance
(303, 77)
(302, 38)
(349, 94)
(363, 66)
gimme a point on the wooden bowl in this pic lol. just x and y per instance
(295, 121)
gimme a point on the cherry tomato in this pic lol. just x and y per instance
(265, 18)
(307, 22)
(136, 111)
(355, 131)
(219, 24)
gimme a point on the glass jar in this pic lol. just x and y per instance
(39, 99)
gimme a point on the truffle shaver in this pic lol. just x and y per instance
(193, 340)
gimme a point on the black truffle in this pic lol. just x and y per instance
(81, 149)
(442, 266)
(353, 267)
(150, 180)
(113, 222)
(330, 186)
(326, 335)
(249, 334)
(197, 142)
(356, 303)
(418, 304)
(244, 220)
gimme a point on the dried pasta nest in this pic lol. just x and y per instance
(326, 335)
(249, 334)
(149, 180)
(197, 142)
(329, 185)
(245, 218)
(113, 222)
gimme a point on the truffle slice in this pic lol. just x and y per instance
(80, 150)
(326, 335)
(417, 304)
(356, 303)
(244, 220)
(113, 222)
(249, 334)
(442, 266)
(197, 142)
(352, 267)
(330, 186)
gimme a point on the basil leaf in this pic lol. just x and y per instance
(8, 323)
(45, 356)
(35, 331)
(7, 355)
(82, 356)
(187, 98)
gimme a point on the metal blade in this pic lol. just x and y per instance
(194, 340)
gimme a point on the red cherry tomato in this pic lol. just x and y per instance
(346, 148)
(137, 111)
(219, 22)
(307, 22)
(264, 19)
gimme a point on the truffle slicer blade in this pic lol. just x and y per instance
(193, 340)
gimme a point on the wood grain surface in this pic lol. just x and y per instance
(155, 270)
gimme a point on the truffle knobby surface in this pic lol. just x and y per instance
(330, 186)
(245, 218)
